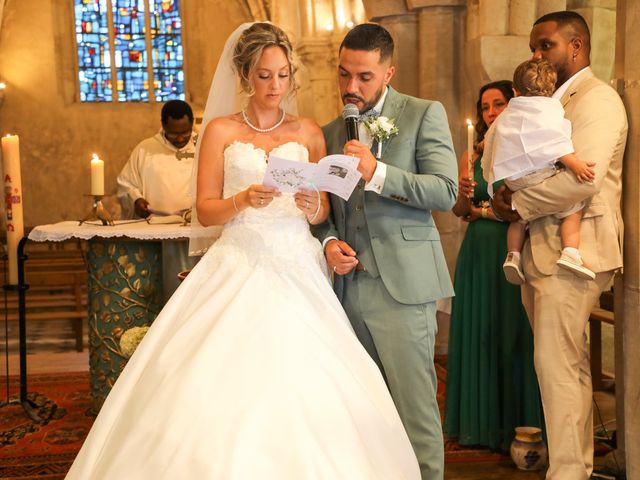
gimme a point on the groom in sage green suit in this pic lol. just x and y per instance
(383, 245)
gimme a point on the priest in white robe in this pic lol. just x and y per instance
(156, 180)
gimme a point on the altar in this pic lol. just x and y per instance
(125, 279)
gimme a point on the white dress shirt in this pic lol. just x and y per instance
(376, 183)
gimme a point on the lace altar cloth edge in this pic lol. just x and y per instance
(58, 232)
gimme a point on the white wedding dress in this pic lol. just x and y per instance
(251, 371)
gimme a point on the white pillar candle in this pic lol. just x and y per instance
(13, 201)
(97, 175)
(470, 148)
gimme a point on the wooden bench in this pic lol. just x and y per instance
(57, 279)
(596, 319)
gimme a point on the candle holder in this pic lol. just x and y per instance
(98, 212)
(30, 406)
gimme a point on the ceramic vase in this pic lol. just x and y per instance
(528, 451)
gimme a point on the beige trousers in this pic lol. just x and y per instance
(558, 307)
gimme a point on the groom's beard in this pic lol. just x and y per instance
(357, 98)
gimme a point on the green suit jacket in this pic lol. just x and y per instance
(421, 176)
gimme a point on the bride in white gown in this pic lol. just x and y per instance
(252, 371)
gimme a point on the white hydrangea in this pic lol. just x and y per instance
(130, 340)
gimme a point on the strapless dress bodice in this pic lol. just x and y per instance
(276, 231)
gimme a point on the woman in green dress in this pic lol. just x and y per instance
(491, 382)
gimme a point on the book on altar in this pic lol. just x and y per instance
(337, 174)
(165, 217)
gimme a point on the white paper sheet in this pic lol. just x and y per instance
(337, 174)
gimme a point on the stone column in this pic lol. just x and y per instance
(441, 33)
(627, 315)
(404, 30)
(318, 97)
(522, 14)
(601, 18)
(493, 17)
(548, 6)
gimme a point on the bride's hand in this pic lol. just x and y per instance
(307, 201)
(259, 196)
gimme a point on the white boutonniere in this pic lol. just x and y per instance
(381, 129)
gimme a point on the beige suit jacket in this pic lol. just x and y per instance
(599, 135)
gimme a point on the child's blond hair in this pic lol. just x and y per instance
(535, 77)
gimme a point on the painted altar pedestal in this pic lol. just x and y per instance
(125, 294)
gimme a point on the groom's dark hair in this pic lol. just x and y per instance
(369, 37)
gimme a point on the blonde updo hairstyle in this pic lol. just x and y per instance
(252, 43)
(535, 77)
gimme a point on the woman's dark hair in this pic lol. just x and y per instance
(506, 88)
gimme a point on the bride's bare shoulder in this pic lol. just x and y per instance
(306, 126)
(229, 121)
(221, 127)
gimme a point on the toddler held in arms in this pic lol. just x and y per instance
(528, 143)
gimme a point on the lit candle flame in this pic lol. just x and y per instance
(95, 156)
(3, 85)
(469, 122)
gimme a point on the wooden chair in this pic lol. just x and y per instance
(599, 315)
(57, 279)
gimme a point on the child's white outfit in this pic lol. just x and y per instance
(522, 147)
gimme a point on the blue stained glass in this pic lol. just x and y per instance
(130, 50)
(166, 49)
(129, 56)
(93, 48)
(133, 85)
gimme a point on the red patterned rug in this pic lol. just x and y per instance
(29, 450)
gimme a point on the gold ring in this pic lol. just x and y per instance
(262, 201)
(334, 269)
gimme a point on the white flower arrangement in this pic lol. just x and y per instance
(130, 340)
(381, 129)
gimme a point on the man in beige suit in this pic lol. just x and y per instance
(557, 302)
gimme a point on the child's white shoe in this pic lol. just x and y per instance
(512, 270)
(575, 266)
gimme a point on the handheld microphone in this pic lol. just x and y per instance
(350, 115)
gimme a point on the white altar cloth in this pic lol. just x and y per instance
(135, 230)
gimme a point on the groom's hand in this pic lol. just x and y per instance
(340, 256)
(368, 163)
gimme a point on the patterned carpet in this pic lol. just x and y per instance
(29, 450)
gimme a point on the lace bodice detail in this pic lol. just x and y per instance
(277, 235)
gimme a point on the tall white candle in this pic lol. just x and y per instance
(13, 201)
(97, 175)
(470, 148)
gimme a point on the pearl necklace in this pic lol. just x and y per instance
(263, 130)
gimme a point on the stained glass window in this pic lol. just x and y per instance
(136, 42)
(166, 50)
(94, 57)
